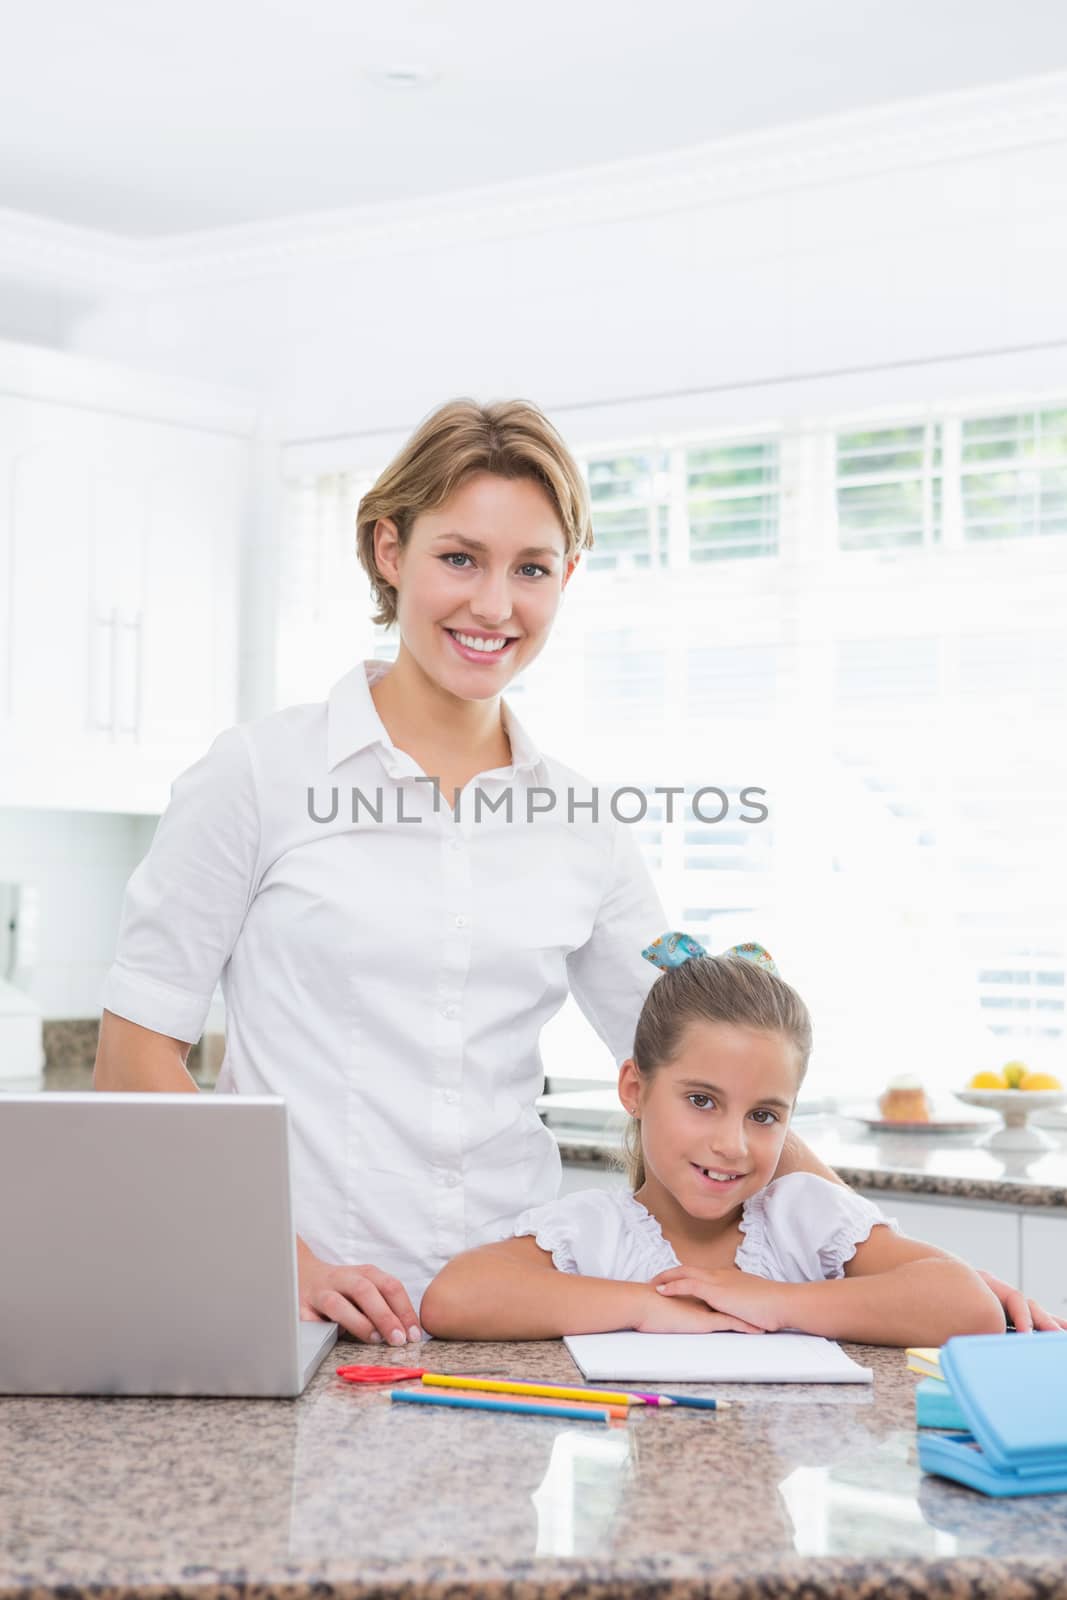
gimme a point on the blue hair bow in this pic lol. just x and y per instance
(674, 949)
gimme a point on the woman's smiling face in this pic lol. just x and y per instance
(714, 1119)
(478, 583)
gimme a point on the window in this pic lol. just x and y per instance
(732, 500)
(1014, 475)
(889, 487)
(904, 715)
(627, 495)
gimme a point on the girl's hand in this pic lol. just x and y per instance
(730, 1292)
(365, 1302)
(1027, 1315)
(689, 1315)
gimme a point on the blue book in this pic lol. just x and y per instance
(1012, 1392)
(937, 1407)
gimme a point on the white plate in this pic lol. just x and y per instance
(878, 1124)
(1012, 1100)
(1015, 1106)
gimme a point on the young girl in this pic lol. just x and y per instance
(709, 1239)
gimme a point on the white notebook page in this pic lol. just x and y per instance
(713, 1358)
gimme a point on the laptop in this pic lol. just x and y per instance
(147, 1247)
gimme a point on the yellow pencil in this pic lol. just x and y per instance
(597, 1408)
(494, 1386)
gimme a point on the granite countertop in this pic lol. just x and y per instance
(953, 1166)
(795, 1490)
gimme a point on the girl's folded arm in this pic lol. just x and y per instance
(512, 1290)
(896, 1291)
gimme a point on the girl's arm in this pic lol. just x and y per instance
(895, 1291)
(512, 1290)
(1025, 1314)
(899, 1291)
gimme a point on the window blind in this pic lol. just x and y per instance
(1014, 475)
(889, 487)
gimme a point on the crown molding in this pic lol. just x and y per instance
(906, 134)
(80, 258)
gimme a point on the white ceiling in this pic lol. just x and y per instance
(149, 117)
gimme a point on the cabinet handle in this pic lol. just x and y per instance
(139, 682)
(134, 626)
(107, 625)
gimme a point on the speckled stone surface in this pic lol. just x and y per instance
(797, 1490)
(70, 1043)
(954, 1167)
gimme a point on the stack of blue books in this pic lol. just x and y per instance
(1011, 1390)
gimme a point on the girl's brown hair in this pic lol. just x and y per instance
(710, 989)
(510, 438)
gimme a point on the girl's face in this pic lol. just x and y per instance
(487, 566)
(714, 1119)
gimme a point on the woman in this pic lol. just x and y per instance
(398, 890)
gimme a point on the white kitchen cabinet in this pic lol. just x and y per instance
(1044, 1260)
(50, 556)
(187, 625)
(120, 541)
(169, 509)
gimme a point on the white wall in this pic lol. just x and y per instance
(73, 867)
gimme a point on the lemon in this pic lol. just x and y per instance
(1040, 1080)
(1014, 1072)
(987, 1080)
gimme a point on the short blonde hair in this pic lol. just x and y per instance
(724, 988)
(510, 438)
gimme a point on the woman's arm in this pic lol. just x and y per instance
(511, 1290)
(796, 1157)
(895, 1291)
(130, 1058)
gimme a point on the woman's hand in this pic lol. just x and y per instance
(665, 1314)
(1026, 1315)
(734, 1294)
(365, 1302)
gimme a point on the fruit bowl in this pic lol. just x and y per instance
(1014, 1106)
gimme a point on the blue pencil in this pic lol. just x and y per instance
(420, 1397)
(705, 1403)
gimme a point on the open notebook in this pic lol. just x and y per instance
(713, 1358)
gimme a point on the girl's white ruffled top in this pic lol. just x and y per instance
(799, 1229)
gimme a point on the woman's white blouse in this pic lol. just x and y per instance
(799, 1229)
(389, 978)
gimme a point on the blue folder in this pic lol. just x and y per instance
(1012, 1391)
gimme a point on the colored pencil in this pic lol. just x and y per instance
(522, 1408)
(702, 1402)
(620, 1413)
(552, 1391)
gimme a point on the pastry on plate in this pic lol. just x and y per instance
(904, 1100)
